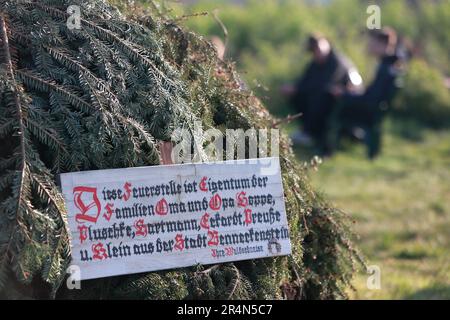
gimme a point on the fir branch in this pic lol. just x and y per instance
(47, 135)
(76, 66)
(20, 116)
(6, 127)
(37, 82)
(135, 53)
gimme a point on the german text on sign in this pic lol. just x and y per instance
(133, 220)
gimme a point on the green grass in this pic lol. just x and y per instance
(401, 205)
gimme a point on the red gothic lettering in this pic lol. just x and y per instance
(161, 207)
(127, 186)
(202, 184)
(179, 242)
(99, 251)
(216, 202)
(141, 228)
(248, 216)
(213, 238)
(204, 222)
(242, 200)
(88, 211)
(229, 251)
(83, 233)
(109, 211)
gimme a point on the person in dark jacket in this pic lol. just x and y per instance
(366, 110)
(311, 93)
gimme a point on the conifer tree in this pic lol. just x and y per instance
(103, 96)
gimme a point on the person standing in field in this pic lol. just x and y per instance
(365, 110)
(310, 94)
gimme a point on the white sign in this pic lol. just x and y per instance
(133, 220)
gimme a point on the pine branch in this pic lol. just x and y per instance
(6, 127)
(76, 66)
(48, 136)
(109, 36)
(19, 113)
(37, 82)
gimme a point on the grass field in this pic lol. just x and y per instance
(401, 205)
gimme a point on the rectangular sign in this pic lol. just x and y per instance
(141, 219)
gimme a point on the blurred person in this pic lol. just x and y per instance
(219, 46)
(364, 111)
(311, 96)
(447, 82)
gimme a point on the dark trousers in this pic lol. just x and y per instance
(350, 114)
(316, 117)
